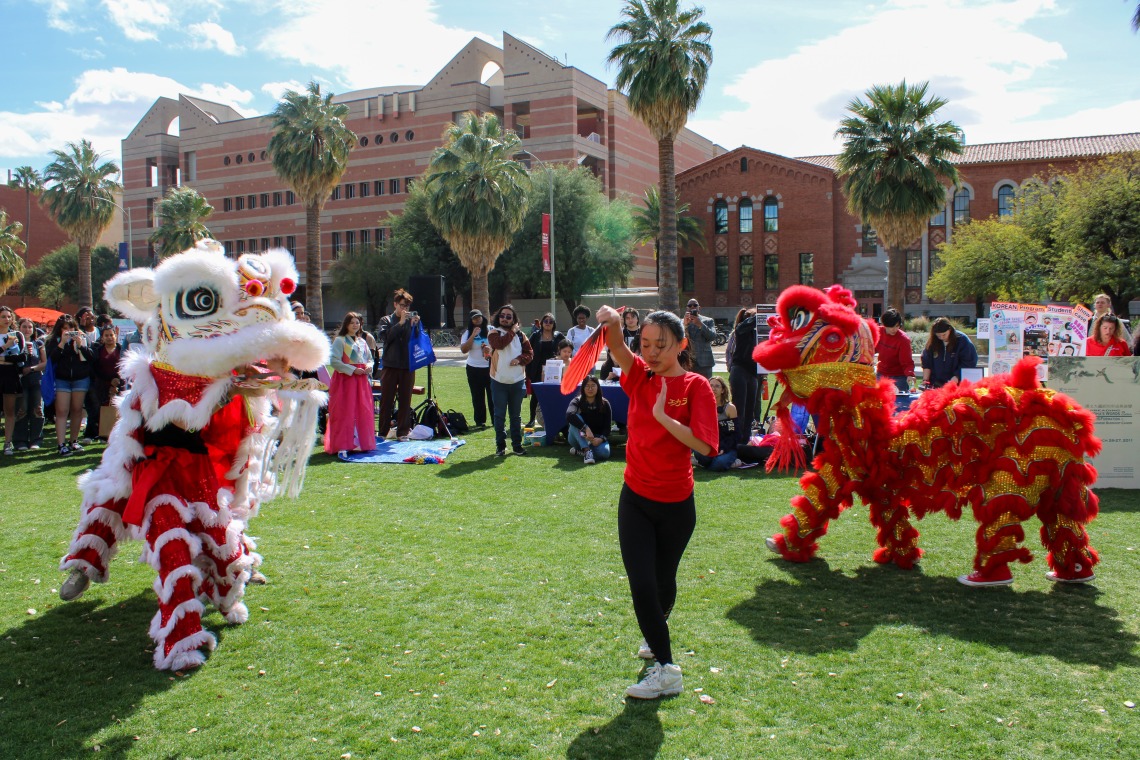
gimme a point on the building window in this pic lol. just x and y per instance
(745, 214)
(394, 137)
(408, 184)
(365, 189)
(746, 273)
(191, 160)
(290, 198)
(226, 161)
(238, 158)
(229, 247)
(365, 238)
(277, 199)
(252, 245)
(381, 237)
(772, 272)
(394, 186)
(251, 157)
(378, 186)
(935, 263)
(240, 245)
(721, 264)
(336, 193)
(265, 244)
(349, 191)
(252, 202)
(277, 242)
(961, 206)
(807, 269)
(743, 165)
(150, 212)
(1005, 200)
(364, 141)
(688, 274)
(939, 219)
(409, 135)
(720, 217)
(771, 215)
(350, 239)
(239, 203)
(336, 245)
(379, 140)
(265, 200)
(151, 172)
(870, 239)
(227, 204)
(291, 245)
(914, 269)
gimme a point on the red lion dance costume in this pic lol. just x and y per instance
(198, 447)
(1004, 447)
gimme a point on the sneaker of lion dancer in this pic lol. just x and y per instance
(1079, 574)
(1000, 576)
(660, 681)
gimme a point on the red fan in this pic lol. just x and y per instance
(585, 360)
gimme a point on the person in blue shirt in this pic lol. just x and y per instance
(947, 353)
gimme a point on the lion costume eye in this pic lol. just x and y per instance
(196, 303)
(799, 319)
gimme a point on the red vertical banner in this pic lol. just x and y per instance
(546, 242)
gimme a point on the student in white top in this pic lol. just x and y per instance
(578, 333)
(474, 345)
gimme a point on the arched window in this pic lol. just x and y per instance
(962, 206)
(1005, 200)
(745, 214)
(743, 165)
(720, 217)
(771, 214)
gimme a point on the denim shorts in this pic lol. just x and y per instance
(72, 386)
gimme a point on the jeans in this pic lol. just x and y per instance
(717, 463)
(479, 380)
(30, 412)
(601, 451)
(508, 399)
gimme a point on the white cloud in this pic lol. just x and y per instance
(793, 105)
(208, 35)
(139, 19)
(59, 15)
(366, 44)
(276, 89)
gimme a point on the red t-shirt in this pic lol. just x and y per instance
(895, 358)
(1116, 348)
(657, 465)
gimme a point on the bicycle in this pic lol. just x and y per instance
(444, 339)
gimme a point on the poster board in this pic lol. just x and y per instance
(1109, 387)
(1018, 330)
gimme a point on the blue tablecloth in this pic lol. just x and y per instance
(554, 404)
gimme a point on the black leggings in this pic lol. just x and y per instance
(653, 536)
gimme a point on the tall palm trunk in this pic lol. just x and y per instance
(668, 296)
(85, 274)
(896, 280)
(479, 293)
(314, 298)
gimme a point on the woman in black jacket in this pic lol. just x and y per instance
(397, 378)
(544, 343)
(589, 417)
(13, 357)
(743, 378)
(71, 362)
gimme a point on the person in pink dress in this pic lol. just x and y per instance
(351, 425)
(1107, 338)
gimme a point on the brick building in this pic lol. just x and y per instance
(44, 236)
(772, 221)
(562, 114)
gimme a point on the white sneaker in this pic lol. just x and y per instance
(74, 586)
(588, 457)
(644, 652)
(660, 681)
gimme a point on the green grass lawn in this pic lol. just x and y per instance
(479, 609)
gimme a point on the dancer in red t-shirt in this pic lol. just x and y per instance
(671, 413)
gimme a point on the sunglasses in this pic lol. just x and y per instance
(548, 321)
(1111, 319)
(506, 315)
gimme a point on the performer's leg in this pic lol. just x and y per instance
(1063, 521)
(808, 520)
(177, 626)
(228, 561)
(93, 546)
(897, 538)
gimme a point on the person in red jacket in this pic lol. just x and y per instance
(672, 412)
(896, 363)
(1107, 338)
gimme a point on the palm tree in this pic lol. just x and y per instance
(11, 265)
(1136, 19)
(476, 195)
(81, 197)
(663, 62)
(309, 149)
(647, 226)
(33, 183)
(181, 216)
(895, 159)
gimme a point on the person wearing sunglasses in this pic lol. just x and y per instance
(544, 343)
(510, 354)
(1107, 337)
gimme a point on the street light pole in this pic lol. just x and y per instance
(550, 243)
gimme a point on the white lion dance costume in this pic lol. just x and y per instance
(199, 444)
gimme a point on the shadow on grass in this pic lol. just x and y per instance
(1118, 501)
(822, 610)
(73, 671)
(636, 734)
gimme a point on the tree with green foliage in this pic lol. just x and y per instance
(368, 275)
(309, 149)
(894, 162)
(416, 243)
(55, 279)
(81, 197)
(181, 216)
(663, 60)
(477, 195)
(591, 240)
(991, 259)
(11, 249)
(33, 184)
(647, 226)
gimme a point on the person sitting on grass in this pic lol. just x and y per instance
(589, 417)
(725, 456)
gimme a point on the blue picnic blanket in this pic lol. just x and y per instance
(406, 452)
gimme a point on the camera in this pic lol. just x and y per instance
(413, 313)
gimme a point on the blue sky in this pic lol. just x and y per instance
(782, 73)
